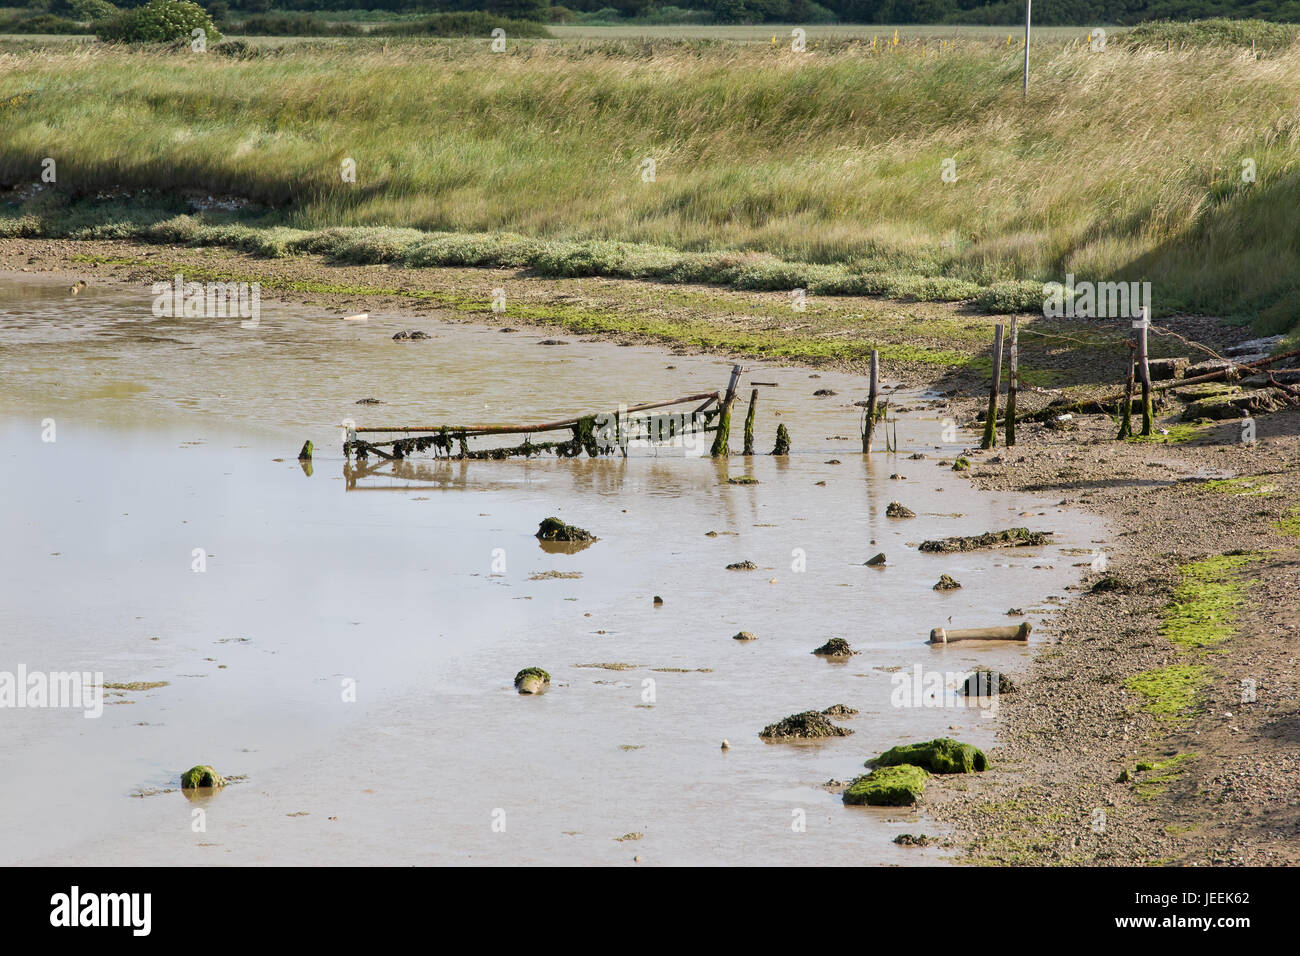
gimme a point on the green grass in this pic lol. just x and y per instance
(1177, 433)
(1165, 772)
(773, 169)
(1289, 523)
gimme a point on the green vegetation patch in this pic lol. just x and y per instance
(1170, 693)
(1165, 772)
(1204, 609)
(941, 755)
(1254, 486)
(1289, 523)
(1174, 434)
(897, 786)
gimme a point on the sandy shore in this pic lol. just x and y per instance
(1066, 785)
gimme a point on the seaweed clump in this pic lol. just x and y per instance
(1011, 538)
(553, 529)
(941, 755)
(201, 776)
(809, 725)
(835, 647)
(532, 680)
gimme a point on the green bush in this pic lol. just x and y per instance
(158, 21)
(92, 10)
(41, 23)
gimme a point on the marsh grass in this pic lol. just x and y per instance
(773, 169)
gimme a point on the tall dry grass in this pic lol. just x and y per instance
(1125, 164)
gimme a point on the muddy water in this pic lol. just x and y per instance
(173, 435)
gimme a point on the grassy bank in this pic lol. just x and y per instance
(771, 169)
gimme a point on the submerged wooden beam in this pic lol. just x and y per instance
(1006, 632)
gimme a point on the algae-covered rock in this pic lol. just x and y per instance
(946, 583)
(532, 680)
(553, 529)
(1011, 538)
(898, 786)
(742, 566)
(941, 755)
(810, 725)
(306, 452)
(201, 776)
(835, 647)
(961, 464)
(744, 636)
(895, 510)
(840, 711)
(877, 561)
(985, 683)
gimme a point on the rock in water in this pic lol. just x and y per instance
(888, 787)
(841, 711)
(305, 454)
(835, 647)
(553, 529)
(742, 566)
(201, 776)
(782, 446)
(895, 510)
(946, 583)
(941, 755)
(988, 684)
(532, 680)
(877, 561)
(810, 725)
(744, 636)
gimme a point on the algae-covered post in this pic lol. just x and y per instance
(1013, 384)
(749, 422)
(1147, 409)
(720, 449)
(991, 423)
(869, 425)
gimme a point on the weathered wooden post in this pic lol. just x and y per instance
(1126, 405)
(1148, 409)
(991, 422)
(749, 422)
(1013, 383)
(871, 402)
(720, 448)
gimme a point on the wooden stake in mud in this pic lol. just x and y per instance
(1013, 383)
(1147, 408)
(991, 422)
(871, 402)
(1126, 407)
(749, 422)
(720, 449)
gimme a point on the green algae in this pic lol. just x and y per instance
(941, 755)
(1204, 610)
(896, 786)
(201, 776)
(1170, 693)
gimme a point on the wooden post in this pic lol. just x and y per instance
(872, 395)
(1013, 383)
(991, 422)
(720, 449)
(1028, 3)
(1148, 408)
(1126, 406)
(749, 422)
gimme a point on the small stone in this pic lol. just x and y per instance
(946, 583)
(877, 561)
(659, 602)
(744, 636)
(726, 744)
(742, 566)
(895, 510)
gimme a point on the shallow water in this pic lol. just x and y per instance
(179, 434)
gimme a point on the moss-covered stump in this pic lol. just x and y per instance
(896, 510)
(1230, 405)
(941, 755)
(553, 529)
(532, 680)
(1011, 538)
(810, 725)
(988, 684)
(201, 776)
(835, 647)
(782, 446)
(946, 583)
(899, 786)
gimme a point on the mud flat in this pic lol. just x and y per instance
(176, 428)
